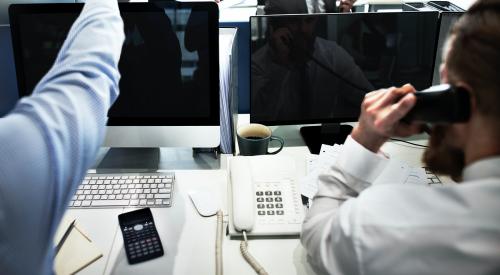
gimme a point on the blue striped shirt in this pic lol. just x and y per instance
(51, 138)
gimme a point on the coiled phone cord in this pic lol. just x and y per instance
(249, 258)
(218, 244)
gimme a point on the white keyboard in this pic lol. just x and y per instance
(124, 190)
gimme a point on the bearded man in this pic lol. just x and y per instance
(355, 228)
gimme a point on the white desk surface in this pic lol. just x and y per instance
(189, 239)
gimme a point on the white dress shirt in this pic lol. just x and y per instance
(315, 6)
(50, 139)
(355, 228)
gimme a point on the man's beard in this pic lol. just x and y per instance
(443, 158)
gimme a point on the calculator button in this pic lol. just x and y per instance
(138, 227)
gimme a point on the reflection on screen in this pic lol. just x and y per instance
(310, 69)
(164, 62)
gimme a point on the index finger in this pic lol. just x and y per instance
(400, 109)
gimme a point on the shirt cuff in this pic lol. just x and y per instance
(360, 162)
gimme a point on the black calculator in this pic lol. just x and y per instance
(140, 237)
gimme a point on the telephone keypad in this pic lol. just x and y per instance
(277, 202)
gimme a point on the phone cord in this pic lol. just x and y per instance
(249, 258)
(218, 244)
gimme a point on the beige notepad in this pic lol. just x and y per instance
(77, 251)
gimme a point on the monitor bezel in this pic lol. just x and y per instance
(436, 75)
(213, 119)
(325, 120)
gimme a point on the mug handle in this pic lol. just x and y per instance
(281, 146)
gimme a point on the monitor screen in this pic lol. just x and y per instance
(317, 68)
(169, 62)
(446, 21)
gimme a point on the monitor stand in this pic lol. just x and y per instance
(144, 160)
(130, 160)
(328, 133)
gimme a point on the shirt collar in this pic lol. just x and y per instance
(484, 168)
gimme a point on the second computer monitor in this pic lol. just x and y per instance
(317, 68)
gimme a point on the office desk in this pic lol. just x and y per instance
(189, 239)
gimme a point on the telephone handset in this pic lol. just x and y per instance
(242, 187)
(264, 196)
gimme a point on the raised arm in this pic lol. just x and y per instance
(331, 226)
(51, 138)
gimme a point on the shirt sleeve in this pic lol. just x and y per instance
(51, 138)
(328, 232)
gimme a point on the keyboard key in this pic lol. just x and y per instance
(111, 203)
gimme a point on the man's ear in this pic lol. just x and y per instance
(443, 73)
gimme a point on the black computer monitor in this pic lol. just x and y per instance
(309, 69)
(446, 21)
(169, 87)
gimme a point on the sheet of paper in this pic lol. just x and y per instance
(77, 251)
(315, 165)
(417, 176)
(396, 171)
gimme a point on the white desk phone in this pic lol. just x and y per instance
(264, 196)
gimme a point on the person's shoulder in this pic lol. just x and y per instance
(322, 42)
(331, 48)
(261, 55)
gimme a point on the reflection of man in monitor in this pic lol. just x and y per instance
(151, 53)
(298, 76)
